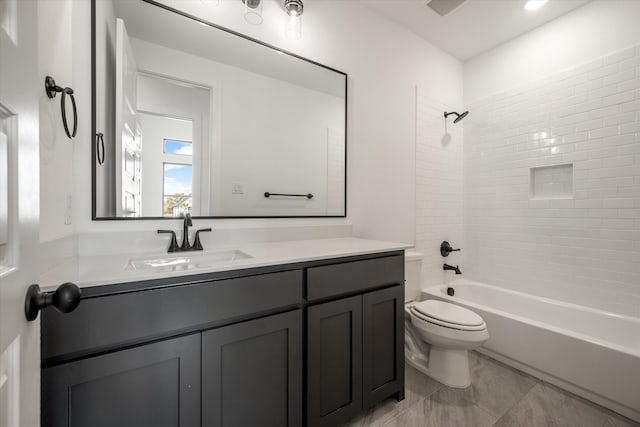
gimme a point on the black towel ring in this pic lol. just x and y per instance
(52, 90)
(68, 91)
(100, 148)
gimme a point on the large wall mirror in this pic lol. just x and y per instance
(190, 117)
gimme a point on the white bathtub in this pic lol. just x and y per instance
(592, 353)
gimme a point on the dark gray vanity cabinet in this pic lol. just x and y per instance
(216, 349)
(154, 385)
(252, 373)
(355, 345)
(229, 349)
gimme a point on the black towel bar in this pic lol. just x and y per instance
(308, 196)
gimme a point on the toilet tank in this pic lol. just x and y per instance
(412, 268)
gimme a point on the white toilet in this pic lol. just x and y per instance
(451, 331)
(448, 329)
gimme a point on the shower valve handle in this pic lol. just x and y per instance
(446, 249)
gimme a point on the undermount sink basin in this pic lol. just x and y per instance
(186, 260)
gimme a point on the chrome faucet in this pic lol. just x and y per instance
(452, 268)
(185, 246)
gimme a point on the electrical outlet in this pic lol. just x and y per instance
(237, 188)
(68, 211)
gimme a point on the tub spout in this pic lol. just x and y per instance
(452, 268)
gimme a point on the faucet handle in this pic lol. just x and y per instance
(196, 244)
(173, 246)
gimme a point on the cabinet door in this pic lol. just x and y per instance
(382, 345)
(252, 373)
(154, 385)
(334, 361)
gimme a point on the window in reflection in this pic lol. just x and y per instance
(178, 189)
(184, 148)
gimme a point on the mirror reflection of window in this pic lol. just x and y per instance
(184, 148)
(177, 196)
(178, 189)
(169, 165)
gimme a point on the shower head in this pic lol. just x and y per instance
(458, 116)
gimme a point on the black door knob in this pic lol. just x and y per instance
(66, 298)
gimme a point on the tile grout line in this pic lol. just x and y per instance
(538, 381)
(421, 401)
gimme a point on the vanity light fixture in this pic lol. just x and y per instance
(253, 11)
(294, 9)
(532, 5)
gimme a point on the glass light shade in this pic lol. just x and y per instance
(253, 11)
(532, 5)
(294, 27)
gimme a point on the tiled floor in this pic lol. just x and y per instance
(499, 396)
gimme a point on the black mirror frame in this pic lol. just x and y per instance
(94, 149)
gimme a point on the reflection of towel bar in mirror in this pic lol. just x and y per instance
(100, 148)
(308, 196)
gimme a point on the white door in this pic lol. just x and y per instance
(128, 132)
(19, 212)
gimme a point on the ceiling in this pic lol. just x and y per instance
(476, 27)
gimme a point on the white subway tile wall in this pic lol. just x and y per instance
(439, 179)
(584, 248)
(551, 182)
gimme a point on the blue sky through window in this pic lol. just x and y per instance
(177, 179)
(178, 147)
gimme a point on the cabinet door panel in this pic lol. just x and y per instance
(334, 367)
(252, 373)
(382, 344)
(155, 385)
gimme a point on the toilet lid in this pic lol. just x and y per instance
(449, 313)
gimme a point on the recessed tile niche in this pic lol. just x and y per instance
(551, 182)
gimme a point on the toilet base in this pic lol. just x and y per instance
(450, 367)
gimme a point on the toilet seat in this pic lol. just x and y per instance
(447, 315)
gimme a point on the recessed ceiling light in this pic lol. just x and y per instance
(534, 4)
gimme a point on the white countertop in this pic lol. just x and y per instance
(88, 271)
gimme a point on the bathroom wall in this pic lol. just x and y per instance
(56, 150)
(439, 179)
(580, 245)
(384, 63)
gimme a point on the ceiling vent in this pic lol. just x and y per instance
(445, 7)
